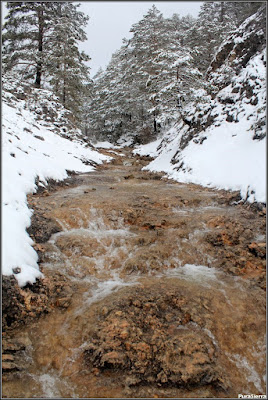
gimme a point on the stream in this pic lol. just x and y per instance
(167, 294)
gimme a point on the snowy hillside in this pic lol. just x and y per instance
(35, 128)
(221, 142)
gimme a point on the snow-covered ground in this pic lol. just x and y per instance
(224, 155)
(148, 149)
(124, 141)
(105, 145)
(30, 149)
(228, 159)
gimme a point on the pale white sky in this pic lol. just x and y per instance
(110, 22)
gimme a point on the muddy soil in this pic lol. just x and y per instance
(162, 291)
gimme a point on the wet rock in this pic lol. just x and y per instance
(23, 304)
(146, 261)
(159, 340)
(63, 302)
(85, 246)
(12, 301)
(16, 270)
(42, 228)
(147, 335)
(52, 185)
(219, 239)
(258, 249)
(9, 366)
(7, 357)
(13, 346)
(263, 211)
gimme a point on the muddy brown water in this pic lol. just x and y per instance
(161, 307)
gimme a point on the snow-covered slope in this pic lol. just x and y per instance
(222, 142)
(31, 149)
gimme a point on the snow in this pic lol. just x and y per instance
(105, 145)
(149, 149)
(30, 149)
(124, 141)
(227, 157)
(228, 160)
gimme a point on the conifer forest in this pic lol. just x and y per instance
(134, 203)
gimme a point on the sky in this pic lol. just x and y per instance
(110, 22)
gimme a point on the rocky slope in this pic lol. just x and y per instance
(221, 141)
(41, 146)
(157, 290)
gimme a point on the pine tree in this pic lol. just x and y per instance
(66, 64)
(139, 90)
(241, 10)
(147, 44)
(216, 20)
(212, 26)
(40, 44)
(25, 38)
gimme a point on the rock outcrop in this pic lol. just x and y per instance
(237, 78)
(151, 335)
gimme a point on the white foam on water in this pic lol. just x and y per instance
(194, 273)
(208, 276)
(104, 288)
(225, 295)
(48, 383)
(97, 227)
(95, 232)
(62, 224)
(212, 337)
(112, 246)
(194, 210)
(251, 374)
(199, 232)
(260, 238)
(52, 384)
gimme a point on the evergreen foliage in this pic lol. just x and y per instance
(149, 82)
(25, 39)
(160, 71)
(40, 45)
(139, 90)
(65, 63)
(216, 20)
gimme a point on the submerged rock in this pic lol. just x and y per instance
(150, 335)
(23, 304)
(42, 228)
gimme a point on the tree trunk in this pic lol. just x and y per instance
(64, 79)
(64, 86)
(64, 94)
(40, 14)
(222, 13)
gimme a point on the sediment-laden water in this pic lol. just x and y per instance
(167, 286)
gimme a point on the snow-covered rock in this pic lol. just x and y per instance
(221, 142)
(35, 128)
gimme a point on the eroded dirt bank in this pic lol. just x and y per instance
(153, 289)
